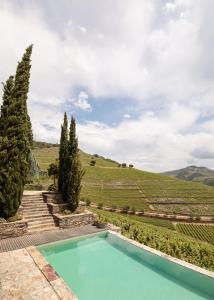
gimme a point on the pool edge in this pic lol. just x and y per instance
(165, 256)
(58, 284)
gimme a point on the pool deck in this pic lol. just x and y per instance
(45, 237)
(26, 275)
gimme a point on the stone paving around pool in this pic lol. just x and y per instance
(21, 279)
(25, 274)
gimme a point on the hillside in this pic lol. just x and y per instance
(108, 184)
(194, 173)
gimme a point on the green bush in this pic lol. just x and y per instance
(100, 205)
(15, 218)
(165, 240)
(52, 188)
(88, 202)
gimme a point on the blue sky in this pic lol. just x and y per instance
(137, 75)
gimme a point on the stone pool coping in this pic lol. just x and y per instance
(57, 283)
(164, 255)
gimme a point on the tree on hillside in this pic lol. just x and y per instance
(63, 154)
(74, 171)
(16, 138)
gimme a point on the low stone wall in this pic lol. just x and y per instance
(13, 229)
(52, 197)
(74, 220)
(57, 208)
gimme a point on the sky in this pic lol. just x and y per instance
(137, 75)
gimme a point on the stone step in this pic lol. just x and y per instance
(41, 221)
(33, 204)
(37, 216)
(42, 229)
(42, 226)
(33, 201)
(36, 208)
(36, 205)
(34, 219)
(32, 197)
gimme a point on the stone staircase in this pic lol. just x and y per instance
(36, 213)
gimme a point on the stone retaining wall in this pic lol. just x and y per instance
(13, 229)
(74, 220)
(57, 208)
(52, 197)
(171, 217)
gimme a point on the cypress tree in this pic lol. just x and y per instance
(15, 138)
(63, 153)
(24, 133)
(10, 178)
(74, 171)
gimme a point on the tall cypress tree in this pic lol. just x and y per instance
(10, 177)
(63, 153)
(16, 138)
(74, 171)
(20, 94)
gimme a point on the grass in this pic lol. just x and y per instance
(108, 184)
(201, 232)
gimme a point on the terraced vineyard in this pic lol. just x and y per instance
(106, 183)
(201, 232)
(163, 239)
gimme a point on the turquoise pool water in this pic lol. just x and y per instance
(105, 267)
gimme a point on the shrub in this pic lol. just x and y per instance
(92, 163)
(100, 205)
(125, 208)
(131, 166)
(52, 188)
(119, 165)
(133, 210)
(96, 155)
(123, 165)
(15, 218)
(113, 207)
(88, 202)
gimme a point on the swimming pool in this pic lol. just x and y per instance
(104, 266)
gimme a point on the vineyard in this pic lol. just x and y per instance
(163, 239)
(201, 232)
(111, 185)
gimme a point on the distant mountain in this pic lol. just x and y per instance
(194, 173)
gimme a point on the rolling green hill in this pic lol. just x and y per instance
(193, 173)
(112, 185)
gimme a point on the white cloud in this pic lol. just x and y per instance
(82, 101)
(127, 116)
(159, 53)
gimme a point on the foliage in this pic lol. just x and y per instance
(63, 157)
(75, 171)
(201, 232)
(123, 165)
(131, 166)
(165, 240)
(52, 188)
(16, 138)
(92, 162)
(14, 218)
(100, 205)
(88, 202)
(53, 170)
